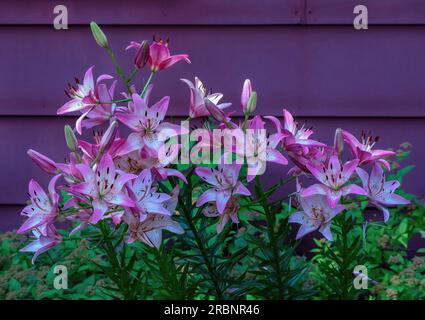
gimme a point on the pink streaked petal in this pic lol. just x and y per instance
(317, 172)
(335, 211)
(376, 179)
(385, 212)
(207, 174)
(88, 78)
(297, 217)
(325, 230)
(364, 177)
(31, 223)
(222, 198)
(157, 53)
(133, 45)
(241, 189)
(288, 121)
(303, 230)
(36, 192)
(131, 120)
(71, 106)
(85, 188)
(143, 181)
(276, 122)
(333, 197)
(123, 179)
(120, 199)
(391, 199)
(78, 123)
(208, 196)
(347, 170)
(353, 189)
(275, 139)
(99, 209)
(159, 109)
(103, 77)
(376, 154)
(222, 222)
(172, 60)
(314, 189)
(352, 142)
(391, 186)
(106, 168)
(134, 142)
(86, 172)
(231, 170)
(385, 163)
(275, 156)
(157, 208)
(175, 173)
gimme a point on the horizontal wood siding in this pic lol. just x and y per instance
(303, 55)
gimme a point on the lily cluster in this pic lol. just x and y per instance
(120, 180)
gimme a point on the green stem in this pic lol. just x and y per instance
(270, 218)
(132, 74)
(118, 68)
(147, 84)
(121, 278)
(187, 210)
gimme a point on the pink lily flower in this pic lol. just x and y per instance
(102, 112)
(381, 192)
(43, 208)
(149, 230)
(314, 155)
(82, 216)
(333, 176)
(363, 150)
(146, 198)
(296, 137)
(197, 95)
(230, 213)
(147, 122)
(43, 241)
(315, 214)
(159, 55)
(260, 149)
(224, 183)
(45, 163)
(104, 187)
(85, 95)
(138, 160)
(104, 143)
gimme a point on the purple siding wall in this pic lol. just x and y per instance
(300, 54)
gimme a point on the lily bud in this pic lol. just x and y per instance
(108, 138)
(246, 94)
(98, 35)
(142, 55)
(339, 141)
(252, 103)
(215, 111)
(46, 164)
(71, 139)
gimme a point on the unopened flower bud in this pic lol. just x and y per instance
(108, 138)
(339, 141)
(71, 139)
(46, 164)
(246, 94)
(142, 55)
(98, 35)
(252, 103)
(215, 111)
